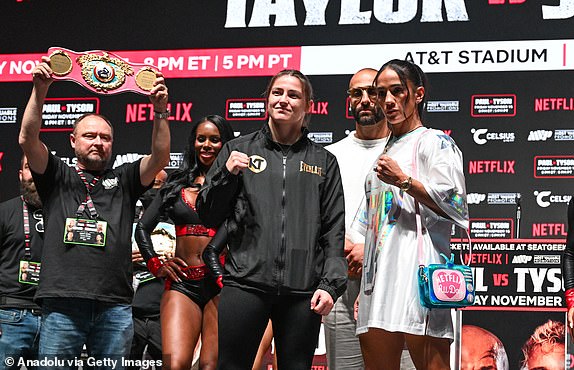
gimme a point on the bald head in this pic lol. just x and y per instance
(482, 349)
(363, 77)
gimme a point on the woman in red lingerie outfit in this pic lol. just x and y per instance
(189, 303)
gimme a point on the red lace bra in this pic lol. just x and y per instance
(193, 229)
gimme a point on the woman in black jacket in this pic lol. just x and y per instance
(283, 200)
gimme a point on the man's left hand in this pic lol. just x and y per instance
(355, 260)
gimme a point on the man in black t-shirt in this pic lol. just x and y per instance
(86, 287)
(21, 238)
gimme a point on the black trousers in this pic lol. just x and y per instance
(243, 316)
(147, 332)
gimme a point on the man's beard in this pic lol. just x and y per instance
(368, 120)
(91, 164)
(30, 194)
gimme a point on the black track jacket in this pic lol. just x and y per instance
(289, 216)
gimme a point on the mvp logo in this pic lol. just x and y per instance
(521, 258)
(475, 198)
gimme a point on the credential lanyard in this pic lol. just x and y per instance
(26, 217)
(88, 202)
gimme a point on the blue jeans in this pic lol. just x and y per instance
(20, 335)
(68, 323)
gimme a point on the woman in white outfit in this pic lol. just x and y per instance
(417, 164)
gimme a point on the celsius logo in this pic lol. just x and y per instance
(489, 166)
(476, 133)
(126, 158)
(521, 258)
(69, 161)
(475, 198)
(481, 136)
(257, 164)
(539, 135)
(545, 198)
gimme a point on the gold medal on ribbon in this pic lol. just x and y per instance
(61, 63)
(145, 78)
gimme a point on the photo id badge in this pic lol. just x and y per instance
(143, 276)
(29, 272)
(85, 232)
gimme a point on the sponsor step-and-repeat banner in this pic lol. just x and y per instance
(500, 84)
(519, 298)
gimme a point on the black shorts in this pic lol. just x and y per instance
(200, 291)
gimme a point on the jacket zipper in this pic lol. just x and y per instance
(283, 242)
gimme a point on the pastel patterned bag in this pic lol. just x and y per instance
(446, 285)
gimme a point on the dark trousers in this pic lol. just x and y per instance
(147, 332)
(243, 316)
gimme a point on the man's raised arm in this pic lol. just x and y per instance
(29, 138)
(160, 139)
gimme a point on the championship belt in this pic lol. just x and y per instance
(101, 72)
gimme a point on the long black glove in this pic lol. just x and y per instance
(145, 227)
(213, 250)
